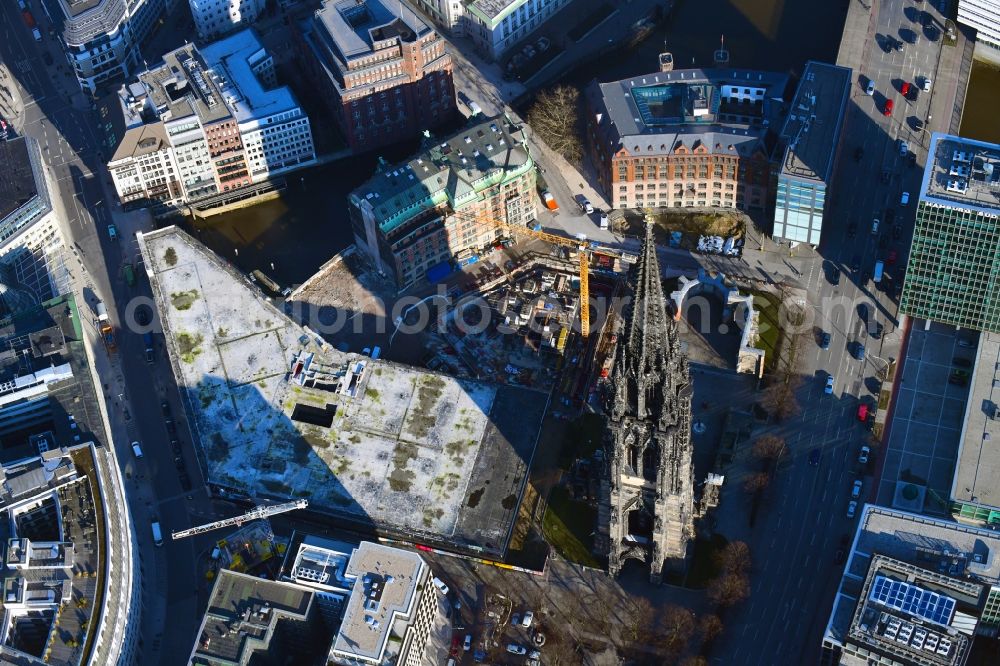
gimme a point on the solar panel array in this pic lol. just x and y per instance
(913, 600)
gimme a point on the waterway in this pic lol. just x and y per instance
(772, 35)
(979, 117)
(291, 237)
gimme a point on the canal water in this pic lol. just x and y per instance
(979, 117)
(309, 223)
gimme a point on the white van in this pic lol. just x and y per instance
(136, 449)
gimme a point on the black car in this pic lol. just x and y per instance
(185, 481)
(855, 263)
(961, 362)
(957, 380)
(885, 176)
(913, 160)
(179, 463)
(165, 408)
(852, 229)
(171, 426)
(883, 242)
(890, 216)
(47, 57)
(175, 446)
(859, 152)
(814, 456)
(897, 232)
(824, 341)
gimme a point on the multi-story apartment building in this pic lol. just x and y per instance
(208, 121)
(102, 37)
(811, 136)
(493, 25)
(449, 201)
(384, 72)
(953, 268)
(214, 18)
(984, 16)
(686, 138)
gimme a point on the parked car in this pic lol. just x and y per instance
(863, 454)
(905, 88)
(439, 584)
(587, 207)
(875, 226)
(136, 449)
(112, 232)
(526, 620)
(856, 489)
(904, 148)
(961, 362)
(887, 110)
(528, 51)
(824, 340)
(852, 229)
(828, 389)
(852, 508)
(856, 263)
(863, 413)
(957, 380)
(514, 648)
(859, 351)
(467, 644)
(897, 232)
(926, 83)
(870, 88)
(543, 44)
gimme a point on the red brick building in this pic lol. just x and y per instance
(385, 74)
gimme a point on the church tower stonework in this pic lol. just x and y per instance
(648, 485)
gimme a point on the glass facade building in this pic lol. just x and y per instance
(798, 210)
(953, 272)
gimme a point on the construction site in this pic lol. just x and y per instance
(276, 412)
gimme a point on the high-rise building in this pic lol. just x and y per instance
(385, 74)
(811, 135)
(984, 16)
(953, 273)
(207, 121)
(102, 37)
(648, 487)
(214, 18)
(916, 591)
(686, 138)
(448, 202)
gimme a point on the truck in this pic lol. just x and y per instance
(550, 201)
(879, 267)
(104, 324)
(129, 273)
(157, 533)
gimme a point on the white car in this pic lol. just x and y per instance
(604, 220)
(467, 645)
(926, 84)
(526, 620)
(514, 648)
(136, 449)
(439, 584)
(863, 456)
(874, 226)
(852, 508)
(904, 198)
(904, 148)
(587, 207)
(829, 385)
(856, 489)
(870, 88)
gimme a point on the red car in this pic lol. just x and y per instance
(863, 412)
(905, 89)
(888, 108)
(892, 257)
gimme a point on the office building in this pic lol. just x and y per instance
(953, 270)
(205, 122)
(495, 26)
(67, 531)
(915, 591)
(811, 135)
(102, 37)
(252, 620)
(447, 202)
(215, 18)
(686, 138)
(984, 16)
(975, 494)
(385, 74)
(31, 238)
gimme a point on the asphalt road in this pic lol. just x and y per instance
(53, 111)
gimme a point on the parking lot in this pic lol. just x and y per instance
(927, 422)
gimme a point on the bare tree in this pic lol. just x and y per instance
(555, 119)
(674, 629)
(735, 557)
(756, 482)
(639, 613)
(769, 447)
(709, 626)
(779, 399)
(694, 660)
(729, 589)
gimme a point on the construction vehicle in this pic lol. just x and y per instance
(104, 324)
(255, 513)
(586, 249)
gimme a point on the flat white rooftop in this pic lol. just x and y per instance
(415, 453)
